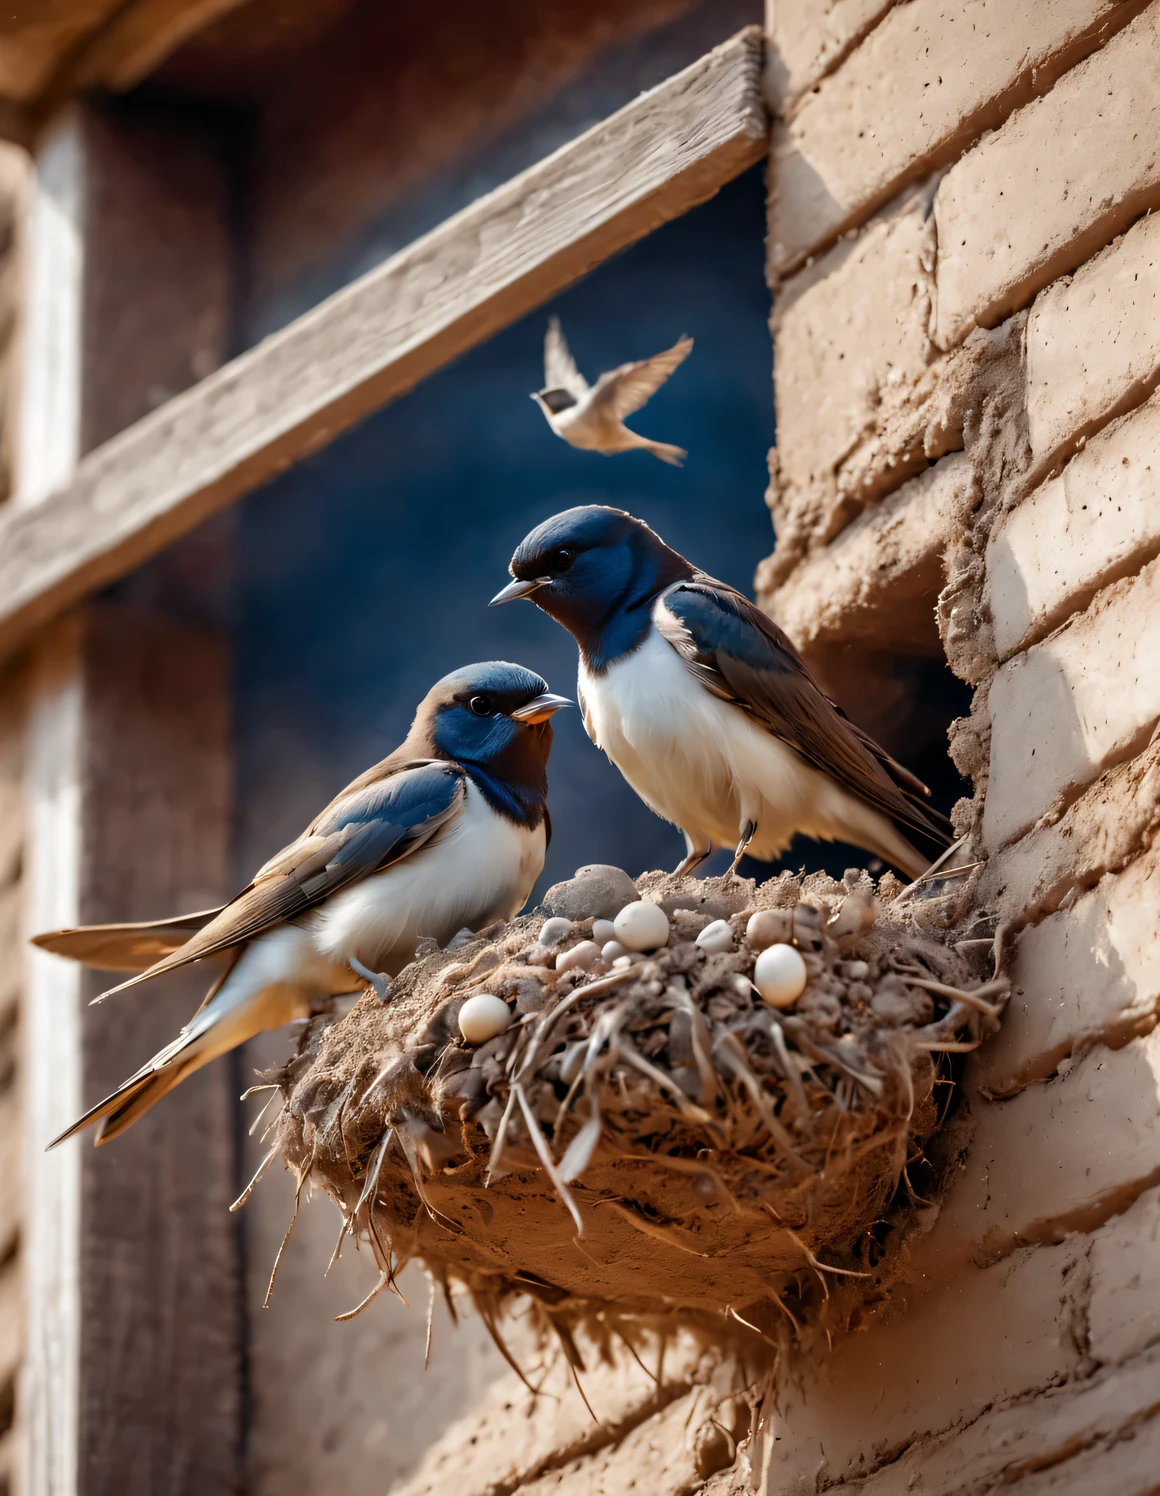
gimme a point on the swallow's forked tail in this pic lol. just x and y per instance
(674, 456)
(133, 1099)
(232, 1013)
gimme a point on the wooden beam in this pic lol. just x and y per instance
(140, 36)
(46, 59)
(132, 1382)
(369, 343)
(51, 1080)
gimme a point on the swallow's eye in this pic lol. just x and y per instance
(482, 706)
(561, 559)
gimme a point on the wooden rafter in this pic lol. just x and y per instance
(372, 341)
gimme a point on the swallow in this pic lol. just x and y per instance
(448, 831)
(706, 707)
(592, 417)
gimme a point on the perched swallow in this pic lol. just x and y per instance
(705, 706)
(449, 831)
(593, 417)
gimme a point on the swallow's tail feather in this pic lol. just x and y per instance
(674, 456)
(239, 1005)
(134, 1098)
(124, 947)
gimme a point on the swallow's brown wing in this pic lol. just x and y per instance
(624, 390)
(125, 947)
(560, 371)
(743, 657)
(363, 831)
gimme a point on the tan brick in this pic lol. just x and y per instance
(510, 1437)
(915, 425)
(923, 84)
(847, 330)
(1124, 1308)
(1085, 698)
(1040, 196)
(877, 581)
(1124, 1465)
(657, 1456)
(1007, 1442)
(1099, 520)
(1062, 1155)
(986, 1336)
(810, 36)
(1093, 344)
(1088, 971)
(1112, 822)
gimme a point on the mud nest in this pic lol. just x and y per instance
(653, 1138)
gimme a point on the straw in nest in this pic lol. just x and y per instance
(653, 1138)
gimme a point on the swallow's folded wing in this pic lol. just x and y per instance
(365, 830)
(560, 371)
(743, 657)
(624, 390)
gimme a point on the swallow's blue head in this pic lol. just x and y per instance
(596, 571)
(494, 719)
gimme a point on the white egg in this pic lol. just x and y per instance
(613, 950)
(641, 927)
(552, 931)
(603, 930)
(716, 937)
(585, 955)
(780, 975)
(484, 1017)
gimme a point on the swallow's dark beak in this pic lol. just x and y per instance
(540, 709)
(516, 589)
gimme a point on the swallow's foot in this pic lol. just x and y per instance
(749, 831)
(379, 980)
(694, 857)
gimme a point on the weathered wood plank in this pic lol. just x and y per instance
(51, 1078)
(140, 37)
(133, 1282)
(132, 1381)
(372, 341)
(159, 1269)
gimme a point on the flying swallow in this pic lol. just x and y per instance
(706, 707)
(449, 831)
(592, 417)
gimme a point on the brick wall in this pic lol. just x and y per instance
(967, 335)
(967, 340)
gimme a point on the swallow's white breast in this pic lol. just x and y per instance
(707, 766)
(593, 428)
(480, 868)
